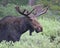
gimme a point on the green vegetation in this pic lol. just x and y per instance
(10, 10)
(49, 38)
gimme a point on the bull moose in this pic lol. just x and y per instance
(12, 27)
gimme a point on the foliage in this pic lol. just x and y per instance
(10, 10)
(17, 2)
(53, 4)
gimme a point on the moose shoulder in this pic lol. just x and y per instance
(12, 27)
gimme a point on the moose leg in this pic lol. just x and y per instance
(30, 33)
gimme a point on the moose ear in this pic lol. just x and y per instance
(39, 10)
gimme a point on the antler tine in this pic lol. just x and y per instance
(21, 12)
(30, 12)
(43, 11)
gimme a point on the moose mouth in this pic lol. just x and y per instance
(38, 30)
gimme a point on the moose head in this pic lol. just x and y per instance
(32, 17)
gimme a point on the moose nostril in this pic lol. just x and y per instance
(40, 29)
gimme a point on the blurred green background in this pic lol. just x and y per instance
(49, 38)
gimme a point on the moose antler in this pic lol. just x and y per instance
(36, 11)
(24, 12)
(39, 10)
(30, 12)
(21, 12)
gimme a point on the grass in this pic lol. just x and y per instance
(49, 38)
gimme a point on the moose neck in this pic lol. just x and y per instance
(25, 26)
